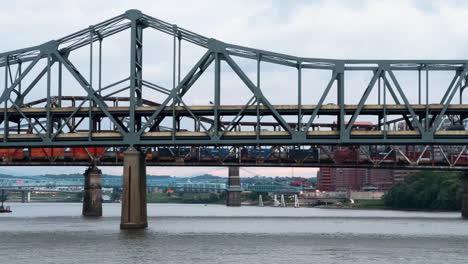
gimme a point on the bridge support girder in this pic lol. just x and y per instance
(134, 191)
(92, 195)
(234, 187)
(465, 195)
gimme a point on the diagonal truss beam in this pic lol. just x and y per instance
(91, 93)
(396, 100)
(320, 102)
(251, 101)
(41, 74)
(405, 100)
(363, 99)
(447, 92)
(449, 99)
(27, 119)
(257, 92)
(7, 91)
(205, 60)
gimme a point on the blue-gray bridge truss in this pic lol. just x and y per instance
(428, 130)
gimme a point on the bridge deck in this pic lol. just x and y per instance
(236, 134)
(371, 109)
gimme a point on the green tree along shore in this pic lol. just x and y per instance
(427, 190)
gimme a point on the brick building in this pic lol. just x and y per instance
(324, 180)
(349, 179)
(358, 179)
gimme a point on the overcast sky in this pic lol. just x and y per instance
(323, 29)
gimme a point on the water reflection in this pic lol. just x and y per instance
(131, 234)
(56, 233)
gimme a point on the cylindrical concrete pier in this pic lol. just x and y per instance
(92, 195)
(134, 191)
(234, 187)
(465, 195)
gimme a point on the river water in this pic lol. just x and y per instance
(182, 233)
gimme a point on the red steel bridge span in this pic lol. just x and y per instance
(125, 92)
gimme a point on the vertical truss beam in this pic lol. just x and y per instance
(136, 72)
(49, 102)
(299, 96)
(217, 94)
(339, 70)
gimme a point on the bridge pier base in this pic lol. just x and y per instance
(234, 187)
(465, 196)
(134, 191)
(92, 195)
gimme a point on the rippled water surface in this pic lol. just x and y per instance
(56, 233)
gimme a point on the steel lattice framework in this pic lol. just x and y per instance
(50, 123)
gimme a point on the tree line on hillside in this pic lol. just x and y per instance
(427, 190)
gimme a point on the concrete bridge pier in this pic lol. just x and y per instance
(92, 195)
(23, 196)
(134, 191)
(234, 187)
(465, 196)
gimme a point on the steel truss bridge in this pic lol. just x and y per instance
(48, 101)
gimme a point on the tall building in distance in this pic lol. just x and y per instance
(349, 179)
(324, 180)
(359, 179)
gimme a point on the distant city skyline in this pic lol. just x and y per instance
(171, 171)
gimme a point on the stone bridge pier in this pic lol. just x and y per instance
(134, 191)
(25, 196)
(234, 187)
(465, 195)
(92, 195)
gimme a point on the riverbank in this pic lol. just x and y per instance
(370, 204)
(367, 205)
(186, 198)
(219, 199)
(379, 205)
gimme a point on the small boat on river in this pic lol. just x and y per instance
(5, 209)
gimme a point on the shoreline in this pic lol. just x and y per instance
(357, 206)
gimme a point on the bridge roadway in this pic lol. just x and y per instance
(231, 134)
(394, 157)
(21, 139)
(232, 110)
